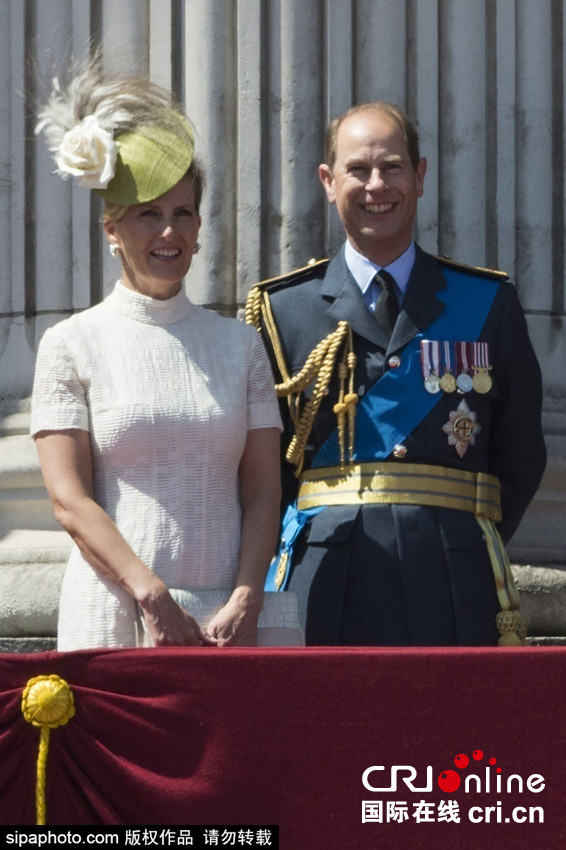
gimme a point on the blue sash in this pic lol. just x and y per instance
(398, 402)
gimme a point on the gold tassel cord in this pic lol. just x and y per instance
(258, 306)
(351, 398)
(318, 367)
(509, 621)
(345, 409)
(252, 313)
(321, 363)
(47, 702)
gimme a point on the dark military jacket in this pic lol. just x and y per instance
(509, 445)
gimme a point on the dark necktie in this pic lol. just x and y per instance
(387, 307)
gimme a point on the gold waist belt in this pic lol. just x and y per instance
(401, 484)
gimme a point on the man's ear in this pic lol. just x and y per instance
(420, 174)
(327, 180)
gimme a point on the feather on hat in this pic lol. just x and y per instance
(123, 137)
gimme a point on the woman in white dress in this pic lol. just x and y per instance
(155, 420)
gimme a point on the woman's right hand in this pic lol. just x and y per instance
(170, 625)
(66, 463)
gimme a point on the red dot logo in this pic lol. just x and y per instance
(477, 755)
(492, 760)
(461, 761)
(449, 781)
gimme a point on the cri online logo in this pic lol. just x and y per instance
(450, 780)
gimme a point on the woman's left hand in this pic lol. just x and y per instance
(236, 623)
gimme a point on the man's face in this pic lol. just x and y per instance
(374, 185)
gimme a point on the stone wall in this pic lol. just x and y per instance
(485, 78)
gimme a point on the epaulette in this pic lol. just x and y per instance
(478, 270)
(259, 291)
(296, 274)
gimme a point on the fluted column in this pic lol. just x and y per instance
(484, 79)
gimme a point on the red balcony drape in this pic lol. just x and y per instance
(254, 736)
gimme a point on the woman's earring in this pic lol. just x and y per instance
(114, 249)
(196, 249)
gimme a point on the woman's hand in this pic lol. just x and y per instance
(66, 463)
(260, 493)
(170, 625)
(236, 622)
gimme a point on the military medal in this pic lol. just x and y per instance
(432, 383)
(461, 428)
(430, 358)
(481, 380)
(464, 381)
(448, 381)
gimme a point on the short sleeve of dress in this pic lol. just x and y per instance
(263, 407)
(59, 398)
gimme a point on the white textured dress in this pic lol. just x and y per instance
(167, 391)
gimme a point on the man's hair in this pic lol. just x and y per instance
(384, 107)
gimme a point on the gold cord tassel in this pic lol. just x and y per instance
(351, 398)
(340, 409)
(47, 702)
(511, 628)
(252, 312)
(509, 622)
(345, 409)
(318, 367)
(320, 363)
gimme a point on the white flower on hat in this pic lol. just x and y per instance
(88, 151)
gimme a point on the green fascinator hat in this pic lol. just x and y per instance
(121, 136)
(149, 161)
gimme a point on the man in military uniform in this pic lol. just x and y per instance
(412, 404)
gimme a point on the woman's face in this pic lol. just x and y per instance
(157, 241)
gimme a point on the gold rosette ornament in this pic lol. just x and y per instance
(47, 702)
